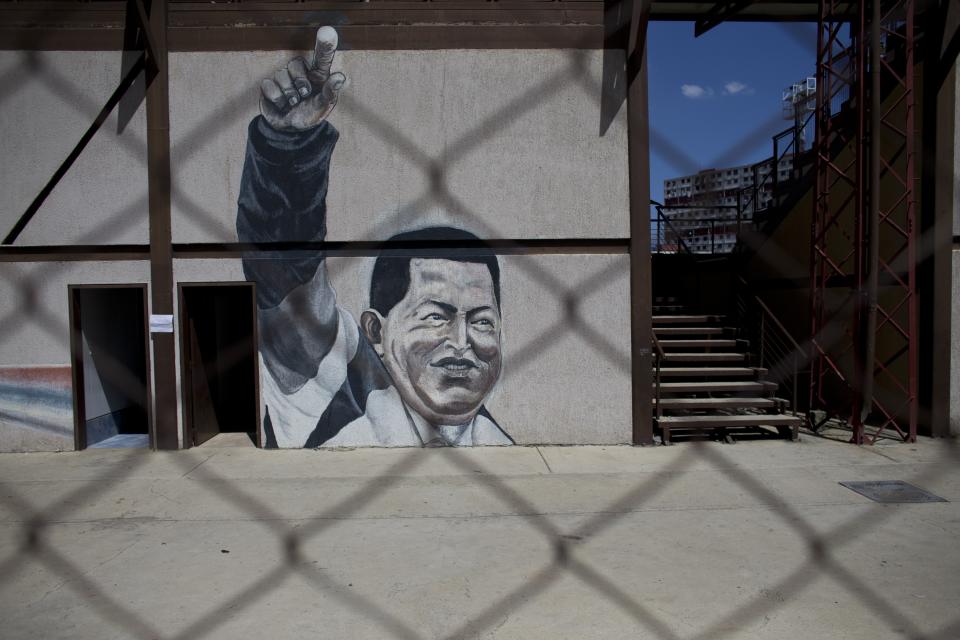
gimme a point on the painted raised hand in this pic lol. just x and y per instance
(301, 96)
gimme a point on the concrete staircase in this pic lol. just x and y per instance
(705, 384)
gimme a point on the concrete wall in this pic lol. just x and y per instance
(36, 394)
(955, 309)
(49, 101)
(515, 133)
(505, 144)
(566, 378)
(955, 349)
(947, 254)
(36, 413)
(956, 152)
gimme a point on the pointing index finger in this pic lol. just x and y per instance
(324, 50)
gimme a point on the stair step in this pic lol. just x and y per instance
(741, 420)
(688, 331)
(707, 372)
(706, 344)
(731, 386)
(716, 403)
(686, 319)
(674, 356)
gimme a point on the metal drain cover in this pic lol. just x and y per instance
(892, 491)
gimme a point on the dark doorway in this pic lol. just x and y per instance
(109, 351)
(218, 356)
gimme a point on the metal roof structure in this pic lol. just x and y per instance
(377, 24)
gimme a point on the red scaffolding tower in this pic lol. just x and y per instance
(863, 247)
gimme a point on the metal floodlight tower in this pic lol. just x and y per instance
(798, 100)
(863, 240)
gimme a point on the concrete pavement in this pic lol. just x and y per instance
(690, 541)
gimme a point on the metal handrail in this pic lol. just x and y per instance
(777, 322)
(711, 227)
(658, 357)
(659, 207)
(768, 340)
(757, 188)
(700, 221)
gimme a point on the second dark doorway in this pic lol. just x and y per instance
(218, 360)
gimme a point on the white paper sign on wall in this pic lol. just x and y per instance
(161, 323)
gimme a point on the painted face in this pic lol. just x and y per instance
(441, 342)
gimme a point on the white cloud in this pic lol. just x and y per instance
(695, 91)
(734, 87)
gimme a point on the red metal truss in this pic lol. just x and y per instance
(840, 261)
(836, 239)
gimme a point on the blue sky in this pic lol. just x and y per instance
(716, 98)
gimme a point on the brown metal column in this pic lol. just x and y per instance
(638, 148)
(945, 195)
(161, 251)
(869, 301)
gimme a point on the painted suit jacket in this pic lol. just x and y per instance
(348, 398)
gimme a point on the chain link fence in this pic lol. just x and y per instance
(818, 551)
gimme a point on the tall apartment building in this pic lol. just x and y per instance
(702, 208)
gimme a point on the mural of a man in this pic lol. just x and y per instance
(427, 351)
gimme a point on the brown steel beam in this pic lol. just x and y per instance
(394, 37)
(345, 248)
(945, 194)
(368, 248)
(872, 215)
(362, 25)
(161, 250)
(380, 12)
(948, 40)
(721, 12)
(75, 253)
(758, 11)
(638, 150)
